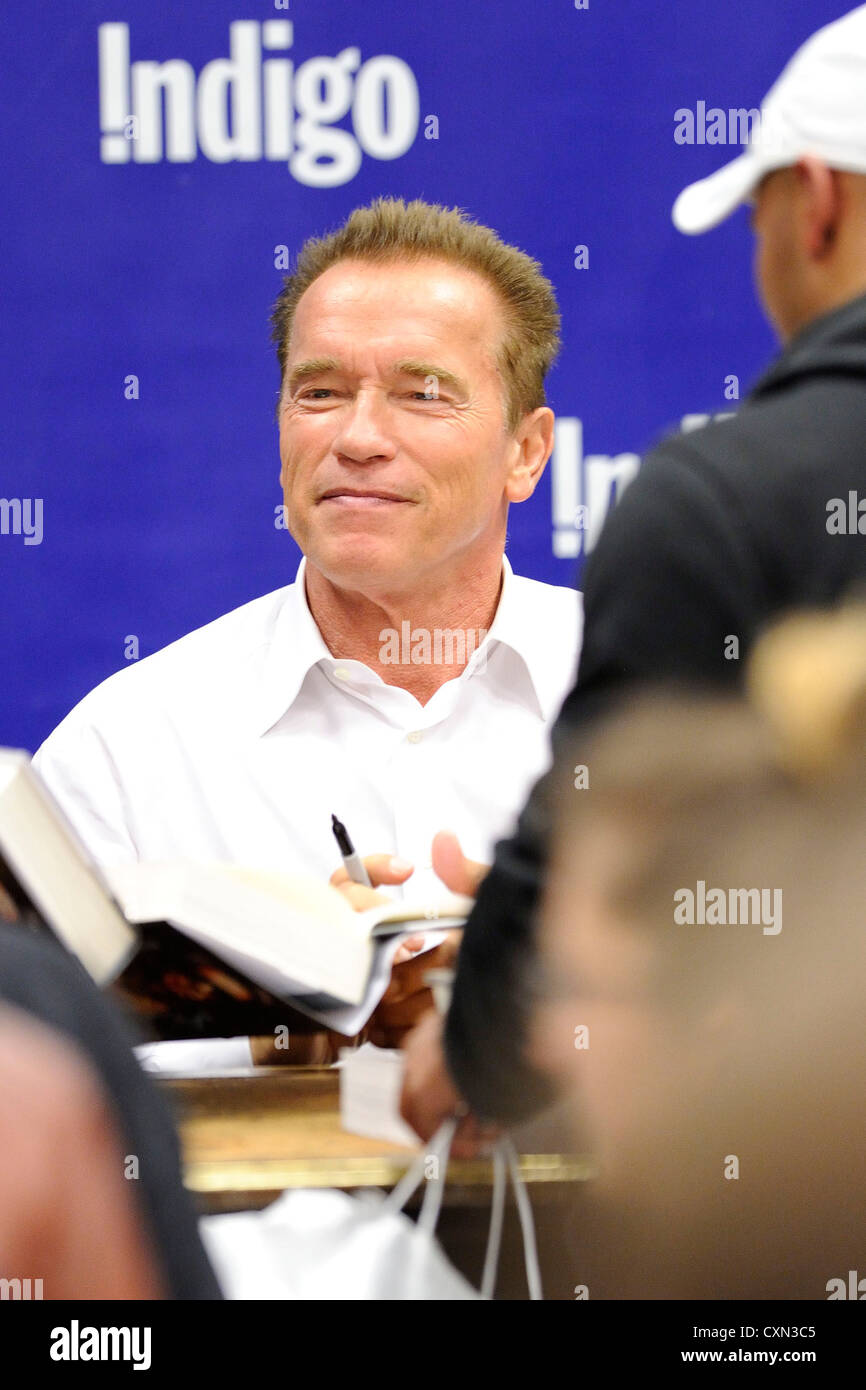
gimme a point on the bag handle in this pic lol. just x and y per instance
(438, 1148)
(505, 1164)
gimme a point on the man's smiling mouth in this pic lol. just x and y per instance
(361, 497)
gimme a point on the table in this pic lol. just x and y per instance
(245, 1138)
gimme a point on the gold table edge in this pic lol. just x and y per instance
(267, 1175)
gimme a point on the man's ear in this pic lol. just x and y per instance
(531, 448)
(821, 196)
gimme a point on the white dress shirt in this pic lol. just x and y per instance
(238, 741)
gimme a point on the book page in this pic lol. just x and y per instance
(52, 867)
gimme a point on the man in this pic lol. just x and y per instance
(721, 531)
(407, 678)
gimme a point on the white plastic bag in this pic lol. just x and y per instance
(322, 1244)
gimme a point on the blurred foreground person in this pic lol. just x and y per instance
(70, 1227)
(705, 968)
(91, 1197)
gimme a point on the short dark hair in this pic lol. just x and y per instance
(390, 229)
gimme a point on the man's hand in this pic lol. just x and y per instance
(407, 997)
(381, 868)
(459, 874)
(430, 1096)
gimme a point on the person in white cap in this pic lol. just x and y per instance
(723, 529)
(804, 171)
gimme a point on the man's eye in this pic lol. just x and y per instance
(424, 395)
(317, 393)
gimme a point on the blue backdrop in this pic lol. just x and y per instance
(141, 255)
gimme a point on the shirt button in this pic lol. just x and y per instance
(341, 673)
(415, 736)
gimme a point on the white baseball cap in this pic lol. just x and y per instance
(817, 106)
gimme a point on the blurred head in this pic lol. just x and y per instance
(809, 223)
(716, 1064)
(413, 346)
(804, 169)
(664, 776)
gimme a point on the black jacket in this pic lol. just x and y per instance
(722, 530)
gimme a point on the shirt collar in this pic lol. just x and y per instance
(296, 645)
(516, 626)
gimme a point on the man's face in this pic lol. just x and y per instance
(395, 456)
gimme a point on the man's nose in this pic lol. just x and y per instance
(364, 431)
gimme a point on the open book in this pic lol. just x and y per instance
(258, 936)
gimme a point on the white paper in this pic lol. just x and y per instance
(371, 1080)
(195, 1056)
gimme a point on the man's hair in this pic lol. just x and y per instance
(390, 229)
